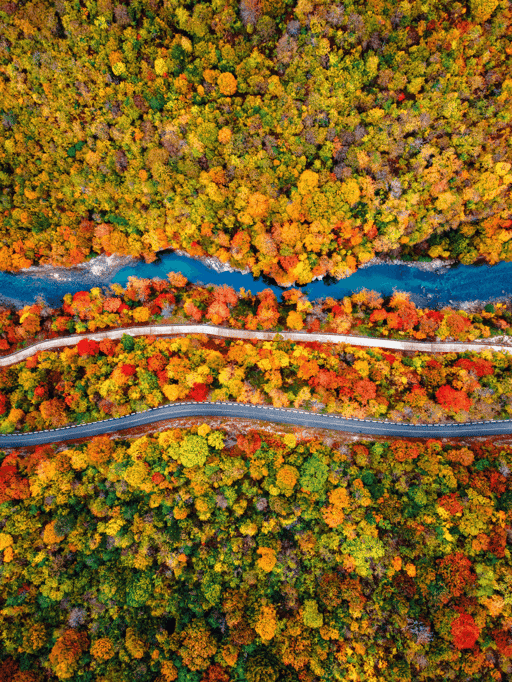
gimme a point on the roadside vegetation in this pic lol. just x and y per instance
(93, 380)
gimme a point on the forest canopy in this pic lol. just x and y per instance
(199, 555)
(296, 139)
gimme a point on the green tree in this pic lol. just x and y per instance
(313, 474)
(128, 342)
(139, 590)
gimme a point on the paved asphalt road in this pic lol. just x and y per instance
(270, 414)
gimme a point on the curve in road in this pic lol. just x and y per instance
(174, 329)
(258, 412)
(247, 411)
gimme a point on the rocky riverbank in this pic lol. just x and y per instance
(102, 267)
(435, 265)
(105, 267)
(213, 263)
(48, 284)
(51, 282)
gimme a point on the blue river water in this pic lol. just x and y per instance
(429, 288)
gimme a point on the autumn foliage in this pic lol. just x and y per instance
(66, 652)
(155, 302)
(451, 399)
(465, 631)
(87, 347)
(202, 495)
(91, 380)
(284, 193)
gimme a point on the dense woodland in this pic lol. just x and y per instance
(194, 556)
(296, 139)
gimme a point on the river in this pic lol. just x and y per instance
(432, 285)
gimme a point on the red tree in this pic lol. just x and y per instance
(458, 325)
(394, 321)
(40, 391)
(288, 262)
(128, 370)
(54, 410)
(83, 306)
(405, 450)
(199, 393)
(451, 399)
(480, 366)
(108, 346)
(215, 673)
(162, 377)
(365, 390)
(456, 572)
(465, 631)
(111, 305)
(434, 315)
(497, 483)
(157, 362)
(87, 347)
(163, 299)
(451, 503)
(8, 669)
(41, 454)
(324, 377)
(346, 382)
(416, 396)
(379, 314)
(408, 316)
(498, 541)
(32, 361)
(12, 485)
(503, 642)
(249, 443)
